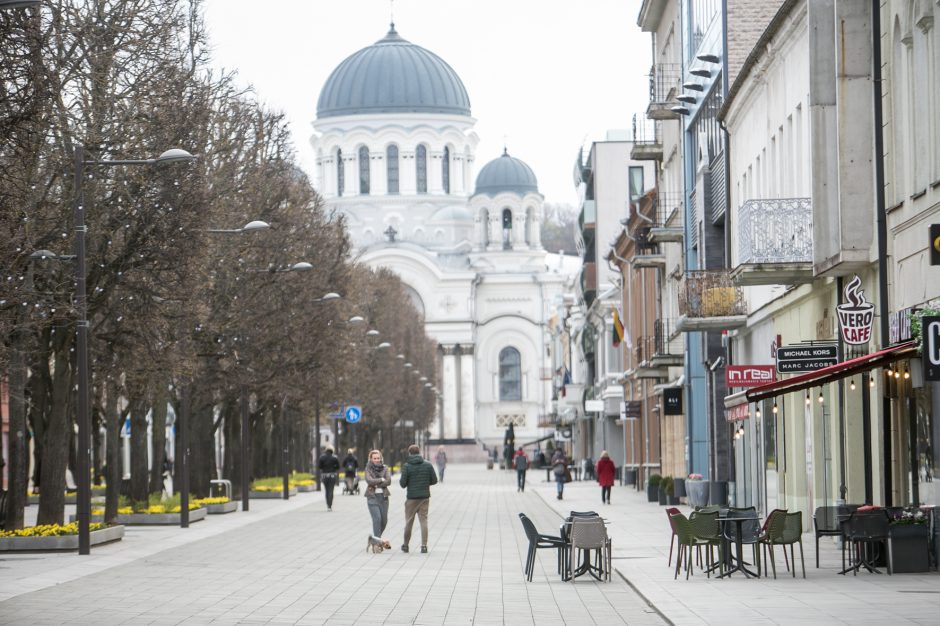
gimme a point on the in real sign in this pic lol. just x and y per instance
(672, 401)
(749, 375)
(799, 359)
(930, 327)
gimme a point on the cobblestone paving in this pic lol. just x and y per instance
(309, 566)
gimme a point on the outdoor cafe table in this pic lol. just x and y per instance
(739, 566)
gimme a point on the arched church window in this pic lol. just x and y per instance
(485, 219)
(445, 170)
(364, 170)
(507, 229)
(421, 168)
(391, 168)
(340, 173)
(510, 375)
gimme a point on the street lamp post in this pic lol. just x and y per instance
(83, 460)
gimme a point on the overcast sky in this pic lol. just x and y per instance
(544, 76)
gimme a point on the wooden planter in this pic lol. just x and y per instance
(908, 548)
(225, 507)
(272, 495)
(160, 519)
(63, 542)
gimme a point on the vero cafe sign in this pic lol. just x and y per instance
(855, 314)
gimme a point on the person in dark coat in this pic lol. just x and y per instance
(521, 462)
(329, 469)
(605, 476)
(350, 466)
(560, 470)
(417, 476)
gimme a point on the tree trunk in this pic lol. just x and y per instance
(56, 441)
(114, 473)
(140, 474)
(202, 443)
(18, 467)
(159, 438)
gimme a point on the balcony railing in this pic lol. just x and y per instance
(776, 231)
(665, 82)
(708, 300)
(664, 347)
(645, 130)
(774, 242)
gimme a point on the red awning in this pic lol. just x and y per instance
(832, 373)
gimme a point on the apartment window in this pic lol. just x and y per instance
(421, 168)
(707, 136)
(702, 13)
(510, 375)
(364, 170)
(391, 168)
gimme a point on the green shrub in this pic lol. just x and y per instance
(668, 485)
(654, 480)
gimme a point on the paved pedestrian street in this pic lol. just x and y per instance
(295, 563)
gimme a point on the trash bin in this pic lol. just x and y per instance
(489, 463)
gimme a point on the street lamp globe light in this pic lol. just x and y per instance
(372, 332)
(175, 155)
(302, 266)
(356, 319)
(383, 345)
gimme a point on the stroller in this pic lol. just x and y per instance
(351, 484)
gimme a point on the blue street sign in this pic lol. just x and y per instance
(353, 414)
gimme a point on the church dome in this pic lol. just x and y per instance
(452, 214)
(393, 76)
(506, 173)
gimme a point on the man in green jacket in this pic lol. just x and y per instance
(417, 476)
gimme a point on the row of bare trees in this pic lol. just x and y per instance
(173, 307)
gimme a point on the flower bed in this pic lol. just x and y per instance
(56, 537)
(273, 487)
(268, 493)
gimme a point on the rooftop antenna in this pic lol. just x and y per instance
(505, 149)
(391, 13)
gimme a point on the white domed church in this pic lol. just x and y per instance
(395, 152)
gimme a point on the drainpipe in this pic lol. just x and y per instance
(882, 226)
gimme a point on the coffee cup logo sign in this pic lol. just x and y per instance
(855, 315)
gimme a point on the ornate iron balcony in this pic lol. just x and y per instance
(775, 242)
(708, 300)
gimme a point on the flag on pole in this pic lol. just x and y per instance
(618, 328)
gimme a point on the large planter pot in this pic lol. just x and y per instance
(696, 492)
(65, 542)
(908, 548)
(672, 500)
(661, 496)
(629, 476)
(679, 487)
(160, 519)
(718, 493)
(652, 493)
(272, 495)
(225, 507)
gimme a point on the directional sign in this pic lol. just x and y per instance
(353, 414)
(799, 359)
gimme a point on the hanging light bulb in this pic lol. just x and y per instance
(852, 385)
(897, 374)
(757, 412)
(820, 398)
(907, 373)
(808, 401)
(871, 382)
(775, 407)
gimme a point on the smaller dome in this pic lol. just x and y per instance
(506, 173)
(452, 214)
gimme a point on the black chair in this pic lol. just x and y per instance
(827, 522)
(538, 540)
(750, 530)
(866, 531)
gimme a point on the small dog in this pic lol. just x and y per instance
(377, 545)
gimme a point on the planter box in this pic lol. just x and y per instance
(697, 492)
(661, 493)
(160, 519)
(305, 488)
(94, 518)
(219, 509)
(652, 493)
(272, 495)
(65, 542)
(908, 548)
(679, 487)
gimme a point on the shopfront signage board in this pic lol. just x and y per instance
(749, 375)
(856, 314)
(799, 359)
(672, 401)
(930, 326)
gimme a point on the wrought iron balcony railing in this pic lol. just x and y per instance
(665, 82)
(775, 231)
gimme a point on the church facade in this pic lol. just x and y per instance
(395, 153)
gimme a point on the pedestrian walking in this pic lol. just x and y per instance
(605, 476)
(560, 470)
(378, 480)
(350, 467)
(417, 476)
(521, 462)
(329, 469)
(440, 459)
